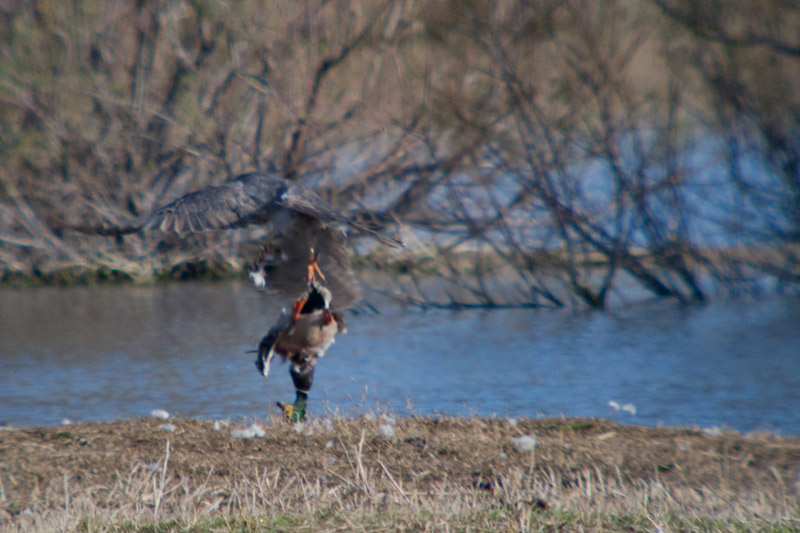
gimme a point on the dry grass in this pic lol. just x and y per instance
(425, 473)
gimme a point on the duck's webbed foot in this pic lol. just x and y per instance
(295, 412)
(302, 376)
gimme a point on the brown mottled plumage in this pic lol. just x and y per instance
(303, 336)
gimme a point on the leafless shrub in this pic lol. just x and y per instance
(746, 65)
(597, 150)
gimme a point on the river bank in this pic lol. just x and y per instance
(382, 473)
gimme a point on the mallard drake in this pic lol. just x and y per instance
(302, 337)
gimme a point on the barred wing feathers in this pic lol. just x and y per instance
(247, 199)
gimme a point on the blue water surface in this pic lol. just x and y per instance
(102, 353)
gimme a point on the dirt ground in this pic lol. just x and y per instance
(127, 469)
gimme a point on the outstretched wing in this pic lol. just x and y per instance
(247, 199)
(255, 198)
(301, 199)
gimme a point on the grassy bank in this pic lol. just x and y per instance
(382, 474)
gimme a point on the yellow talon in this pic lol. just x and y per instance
(313, 268)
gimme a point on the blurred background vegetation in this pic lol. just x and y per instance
(530, 152)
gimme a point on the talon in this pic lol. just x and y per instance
(313, 268)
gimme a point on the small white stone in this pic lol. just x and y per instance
(513, 422)
(386, 430)
(159, 413)
(330, 444)
(328, 424)
(525, 443)
(248, 433)
(66, 422)
(219, 424)
(167, 427)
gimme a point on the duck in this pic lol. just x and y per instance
(302, 336)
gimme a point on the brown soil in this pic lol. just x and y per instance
(132, 468)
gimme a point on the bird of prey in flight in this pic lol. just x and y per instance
(306, 260)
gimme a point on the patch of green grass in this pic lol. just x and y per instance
(573, 426)
(410, 518)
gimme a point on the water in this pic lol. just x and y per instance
(109, 352)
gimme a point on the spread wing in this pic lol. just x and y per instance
(244, 200)
(248, 199)
(255, 198)
(301, 199)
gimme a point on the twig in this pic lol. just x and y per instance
(396, 486)
(158, 492)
